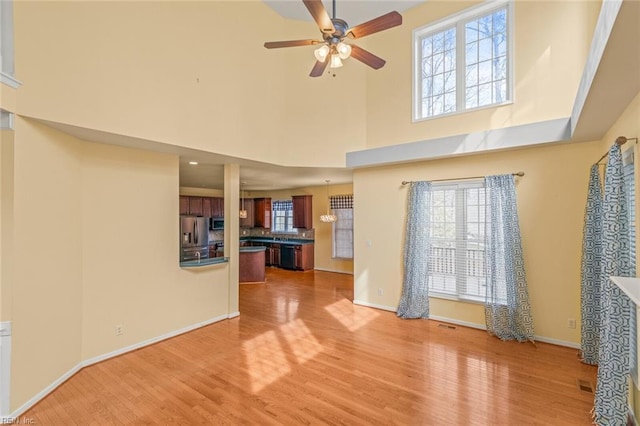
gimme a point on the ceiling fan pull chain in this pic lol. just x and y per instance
(334, 9)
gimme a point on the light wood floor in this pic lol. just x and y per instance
(302, 353)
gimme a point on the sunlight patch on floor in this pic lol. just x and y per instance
(266, 361)
(303, 344)
(343, 310)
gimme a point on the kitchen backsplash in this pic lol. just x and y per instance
(303, 234)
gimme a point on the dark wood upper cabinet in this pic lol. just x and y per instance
(202, 206)
(248, 206)
(262, 212)
(195, 206)
(184, 204)
(206, 207)
(302, 211)
(217, 207)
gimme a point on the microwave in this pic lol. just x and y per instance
(216, 223)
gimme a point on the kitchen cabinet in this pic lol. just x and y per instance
(217, 207)
(262, 213)
(302, 211)
(184, 204)
(248, 206)
(195, 206)
(303, 256)
(272, 255)
(202, 206)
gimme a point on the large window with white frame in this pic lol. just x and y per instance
(457, 227)
(464, 62)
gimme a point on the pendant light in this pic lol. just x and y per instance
(243, 212)
(328, 218)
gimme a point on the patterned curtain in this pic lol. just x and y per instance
(590, 278)
(341, 201)
(507, 309)
(613, 369)
(280, 206)
(414, 302)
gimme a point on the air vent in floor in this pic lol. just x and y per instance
(450, 327)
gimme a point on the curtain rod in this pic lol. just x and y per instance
(620, 140)
(406, 182)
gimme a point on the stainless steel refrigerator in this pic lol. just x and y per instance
(194, 238)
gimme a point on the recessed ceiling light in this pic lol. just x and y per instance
(193, 163)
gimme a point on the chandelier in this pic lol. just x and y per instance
(328, 218)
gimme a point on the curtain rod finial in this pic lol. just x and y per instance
(621, 140)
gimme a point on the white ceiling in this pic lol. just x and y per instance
(354, 12)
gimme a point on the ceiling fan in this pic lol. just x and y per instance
(334, 31)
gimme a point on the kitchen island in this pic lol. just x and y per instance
(252, 264)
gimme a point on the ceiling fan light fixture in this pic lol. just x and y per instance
(321, 53)
(336, 62)
(344, 50)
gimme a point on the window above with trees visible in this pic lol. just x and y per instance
(464, 62)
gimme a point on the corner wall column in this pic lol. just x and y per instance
(232, 232)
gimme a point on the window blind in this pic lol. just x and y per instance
(628, 170)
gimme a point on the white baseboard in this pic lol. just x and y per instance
(233, 314)
(373, 305)
(46, 391)
(484, 327)
(66, 376)
(332, 270)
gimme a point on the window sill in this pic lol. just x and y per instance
(454, 298)
(464, 111)
(9, 80)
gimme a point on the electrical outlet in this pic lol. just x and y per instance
(119, 330)
(380, 291)
(571, 323)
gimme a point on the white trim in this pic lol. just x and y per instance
(233, 314)
(151, 341)
(373, 305)
(606, 20)
(333, 270)
(484, 327)
(46, 391)
(5, 367)
(10, 81)
(542, 132)
(66, 376)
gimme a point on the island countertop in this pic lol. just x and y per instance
(203, 262)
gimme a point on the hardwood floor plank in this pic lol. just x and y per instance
(302, 353)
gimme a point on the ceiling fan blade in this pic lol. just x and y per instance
(318, 68)
(320, 15)
(290, 43)
(367, 57)
(381, 23)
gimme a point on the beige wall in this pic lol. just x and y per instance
(130, 249)
(138, 79)
(96, 246)
(6, 222)
(187, 73)
(47, 259)
(551, 200)
(548, 67)
(323, 242)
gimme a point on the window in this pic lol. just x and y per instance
(628, 169)
(342, 232)
(6, 44)
(282, 217)
(463, 62)
(457, 227)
